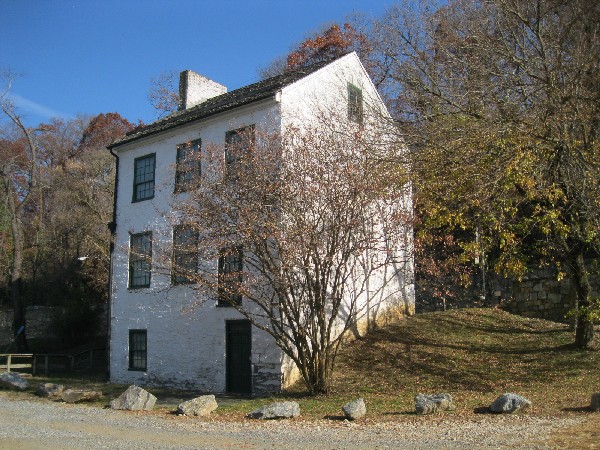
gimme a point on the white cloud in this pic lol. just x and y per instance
(36, 109)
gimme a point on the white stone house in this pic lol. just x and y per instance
(155, 338)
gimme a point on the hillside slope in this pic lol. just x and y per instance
(473, 354)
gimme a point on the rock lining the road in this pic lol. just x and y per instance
(509, 404)
(12, 380)
(80, 395)
(355, 409)
(199, 406)
(276, 410)
(134, 398)
(40, 424)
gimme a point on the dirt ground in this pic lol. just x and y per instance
(26, 424)
(581, 436)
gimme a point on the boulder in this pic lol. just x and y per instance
(12, 380)
(80, 395)
(50, 390)
(509, 403)
(134, 399)
(199, 406)
(431, 404)
(355, 409)
(277, 410)
(595, 405)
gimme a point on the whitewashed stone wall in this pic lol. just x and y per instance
(391, 290)
(186, 346)
(185, 343)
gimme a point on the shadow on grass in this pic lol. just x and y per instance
(499, 326)
(476, 350)
(332, 417)
(584, 409)
(297, 394)
(482, 410)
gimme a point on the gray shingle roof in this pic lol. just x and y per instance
(238, 97)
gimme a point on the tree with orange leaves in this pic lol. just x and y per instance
(334, 42)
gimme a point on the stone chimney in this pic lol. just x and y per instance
(195, 89)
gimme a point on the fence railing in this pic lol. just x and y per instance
(16, 361)
(46, 363)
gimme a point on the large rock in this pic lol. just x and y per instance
(595, 405)
(277, 410)
(134, 399)
(431, 404)
(80, 395)
(509, 403)
(11, 380)
(199, 406)
(355, 409)
(50, 390)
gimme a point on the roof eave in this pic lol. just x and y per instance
(125, 141)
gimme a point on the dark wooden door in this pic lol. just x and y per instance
(238, 370)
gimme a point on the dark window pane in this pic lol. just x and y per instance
(230, 276)
(355, 104)
(185, 254)
(188, 165)
(140, 256)
(143, 178)
(239, 145)
(137, 350)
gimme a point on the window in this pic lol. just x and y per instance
(355, 104)
(140, 257)
(137, 350)
(187, 165)
(185, 254)
(230, 276)
(143, 177)
(238, 146)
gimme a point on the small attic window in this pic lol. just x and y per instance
(355, 104)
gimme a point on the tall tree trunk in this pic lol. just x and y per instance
(584, 329)
(18, 325)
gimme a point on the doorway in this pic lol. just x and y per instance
(238, 345)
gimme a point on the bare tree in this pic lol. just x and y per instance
(57, 184)
(163, 94)
(19, 174)
(304, 233)
(70, 263)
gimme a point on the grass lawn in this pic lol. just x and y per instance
(473, 354)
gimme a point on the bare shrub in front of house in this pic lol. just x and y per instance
(309, 229)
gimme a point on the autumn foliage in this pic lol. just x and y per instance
(57, 182)
(332, 43)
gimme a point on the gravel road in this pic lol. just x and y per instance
(26, 424)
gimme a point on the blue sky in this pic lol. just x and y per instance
(93, 56)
